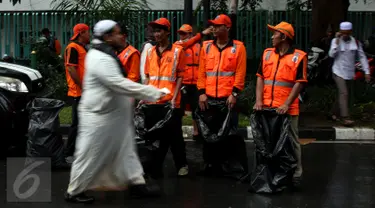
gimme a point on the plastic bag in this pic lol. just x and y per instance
(44, 138)
(216, 122)
(151, 117)
(275, 159)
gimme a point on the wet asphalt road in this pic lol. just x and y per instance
(335, 175)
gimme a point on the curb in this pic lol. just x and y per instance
(317, 133)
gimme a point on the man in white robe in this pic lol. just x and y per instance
(105, 155)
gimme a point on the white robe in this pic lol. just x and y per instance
(105, 155)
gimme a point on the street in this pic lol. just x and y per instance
(335, 175)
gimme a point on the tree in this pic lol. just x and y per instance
(125, 12)
(14, 2)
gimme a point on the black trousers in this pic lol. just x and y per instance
(71, 143)
(190, 96)
(170, 136)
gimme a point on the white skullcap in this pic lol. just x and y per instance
(103, 26)
(346, 26)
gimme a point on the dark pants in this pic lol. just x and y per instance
(170, 136)
(190, 96)
(71, 143)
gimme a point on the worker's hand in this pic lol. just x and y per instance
(258, 106)
(231, 101)
(368, 78)
(282, 109)
(203, 104)
(338, 34)
(173, 103)
(207, 31)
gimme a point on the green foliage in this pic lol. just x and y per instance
(51, 67)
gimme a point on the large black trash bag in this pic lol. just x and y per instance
(44, 138)
(222, 147)
(216, 122)
(275, 159)
(151, 118)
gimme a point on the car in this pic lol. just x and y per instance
(18, 86)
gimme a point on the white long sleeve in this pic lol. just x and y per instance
(146, 47)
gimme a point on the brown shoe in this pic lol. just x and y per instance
(348, 123)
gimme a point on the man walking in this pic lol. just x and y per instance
(281, 77)
(74, 58)
(344, 50)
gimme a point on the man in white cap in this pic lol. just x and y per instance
(105, 156)
(344, 50)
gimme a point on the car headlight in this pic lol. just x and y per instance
(12, 84)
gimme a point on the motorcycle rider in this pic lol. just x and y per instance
(344, 49)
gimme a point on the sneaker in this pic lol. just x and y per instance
(184, 171)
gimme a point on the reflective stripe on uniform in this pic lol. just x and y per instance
(163, 78)
(268, 55)
(279, 83)
(221, 74)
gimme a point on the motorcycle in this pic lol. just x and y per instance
(315, 69)
(18, 86)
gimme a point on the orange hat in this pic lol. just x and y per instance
(221, 19)
(186, 28)
(161, 22)
(283, 27)
(78, 28)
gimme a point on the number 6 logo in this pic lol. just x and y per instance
(22, 177)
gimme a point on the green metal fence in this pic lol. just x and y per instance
(20, 30)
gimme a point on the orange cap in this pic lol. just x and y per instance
(283, 27)
(186, 28)
(221, 19)
(161, 22)
(78, 28)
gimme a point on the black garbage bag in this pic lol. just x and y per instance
(217, 122)
(275, 159)
(223, 150)
(44, 138)
(151, 118)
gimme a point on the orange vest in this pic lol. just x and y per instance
(220, 68)
(124, 57)
(279, 78)
(192, 64)
(163, 71)
(73, 89)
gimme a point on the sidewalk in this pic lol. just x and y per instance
(311, 126)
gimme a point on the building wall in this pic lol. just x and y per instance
(42, 5)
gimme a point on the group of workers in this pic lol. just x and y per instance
(182, 73)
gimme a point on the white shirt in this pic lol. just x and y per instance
(344, 55)
(146, 47)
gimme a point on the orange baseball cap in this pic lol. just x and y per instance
(78, 28)
(186, 28)
(283, 27)
(221, 19)
(161, 22)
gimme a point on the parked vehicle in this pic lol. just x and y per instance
(18, 86)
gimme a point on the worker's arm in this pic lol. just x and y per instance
(259, 87)
(72, 65)
(201, 83)
(180, 70)
(301, 80)
(57, 47)
(239, 80)
(134, 67)
(196, 39)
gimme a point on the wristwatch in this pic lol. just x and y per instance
(235, 94)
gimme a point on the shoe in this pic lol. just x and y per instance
(144, 191)
(79, 198)
(184, 171)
